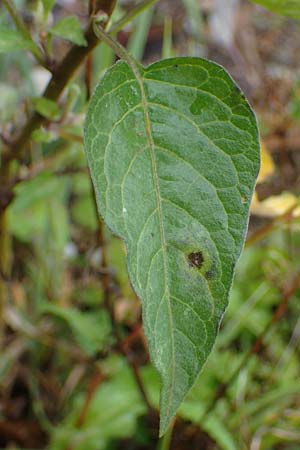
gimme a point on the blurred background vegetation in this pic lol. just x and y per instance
(68, 379)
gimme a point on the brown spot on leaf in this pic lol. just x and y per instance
(196, 259)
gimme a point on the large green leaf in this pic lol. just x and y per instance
(173, 151)
(289, 8)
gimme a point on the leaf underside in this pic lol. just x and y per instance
(174, 169)
(290, 8)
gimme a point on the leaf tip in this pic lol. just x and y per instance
(164, 424)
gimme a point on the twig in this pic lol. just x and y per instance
(97, 378)
(5, 246)
(89, 59)
(132, 337)
(60, 78)
(136, 373)
(18, 144)
(64, 72)
(88, 75)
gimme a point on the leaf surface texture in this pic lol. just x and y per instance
(174, 157)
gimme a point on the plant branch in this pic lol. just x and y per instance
(89, 59)
(97, 379)
(64, 72)
(60, 78)
(18, 144)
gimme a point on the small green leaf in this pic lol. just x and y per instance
(290, 8)
(91, 329)
(44, 136)
(12, 40)
(48, 5)
(117, 420)
(69, 28)
(47, 108)
(30, 210)
(174, 154)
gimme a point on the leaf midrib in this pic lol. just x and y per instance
(144, 103)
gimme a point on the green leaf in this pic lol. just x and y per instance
(12, 40)
(173, 151)
(69, 28)
(42, 135)
(117, 420)
(30, 210)
(9, 100)
(47, 108)
(91, 329)
(290, 8)
(48, 5)
(83, 212)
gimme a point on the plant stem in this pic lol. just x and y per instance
(20, 25)
(114, 45)
(64, 72)
(70, 63)
(60, 78)
(14, 149)
(164, 442)
(94, 383)
(89, 59)
(5, 248)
